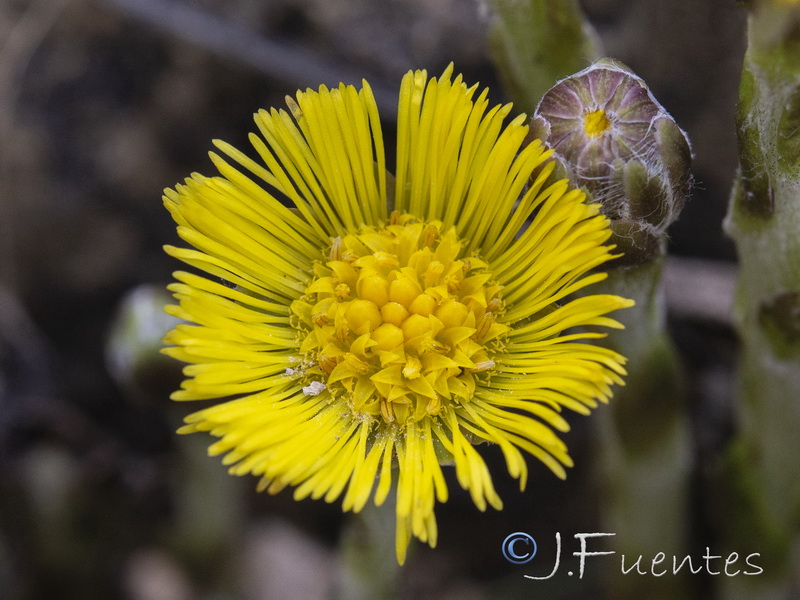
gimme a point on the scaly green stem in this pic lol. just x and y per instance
(613, 139)
(369, 564)
(640, 177)
(537, 42)
(644, 443)
(759, 506)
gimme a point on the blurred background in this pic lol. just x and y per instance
(103, 104)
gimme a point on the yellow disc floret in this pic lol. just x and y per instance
(397, 322)
(595, 123)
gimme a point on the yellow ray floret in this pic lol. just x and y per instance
(364, 330)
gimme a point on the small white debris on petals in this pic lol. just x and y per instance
(314, 388)
(290, 371)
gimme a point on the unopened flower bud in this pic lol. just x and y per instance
(134, 342)
(613, 139)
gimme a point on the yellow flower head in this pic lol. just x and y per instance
(384, 323)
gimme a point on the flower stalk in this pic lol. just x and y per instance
(759, 501)
(613, 139)
(536, 42)
(369, 569)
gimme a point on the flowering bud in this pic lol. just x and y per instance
(134, 342)
(613, 139)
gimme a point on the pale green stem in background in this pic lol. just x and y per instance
(644, 446)
(367, 548)
(759, 496)
(537, 42)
